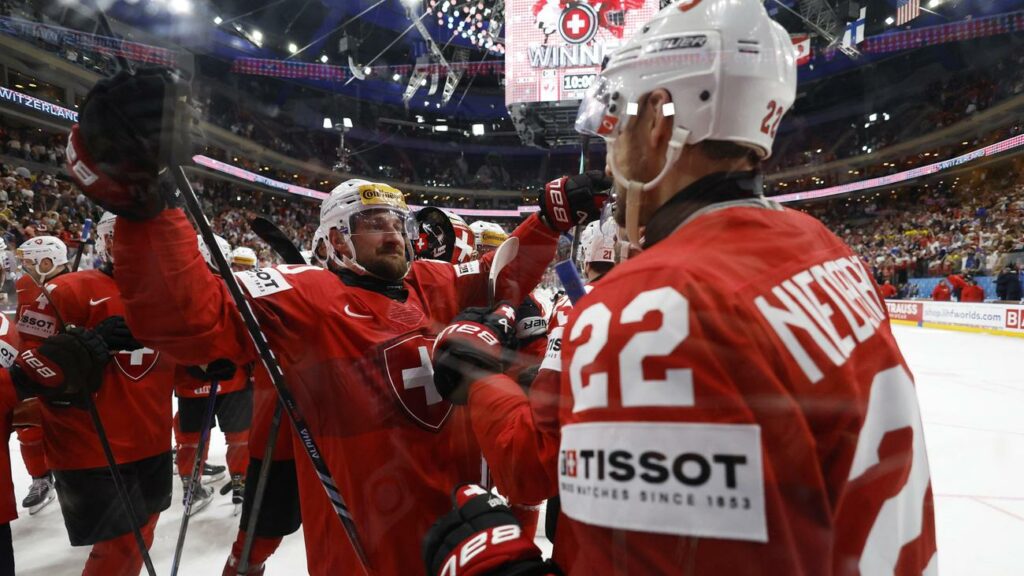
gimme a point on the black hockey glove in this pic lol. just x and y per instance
(574, 200)
(530, 322)
(63, 369)
(115, 333)
(220, 370)
(480, 536)
(127, 130)
(470, 348)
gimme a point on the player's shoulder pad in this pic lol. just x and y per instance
(262, 282)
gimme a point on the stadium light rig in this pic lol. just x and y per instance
(478, 129)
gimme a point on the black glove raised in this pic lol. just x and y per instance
(471, 347)
(220, 370)
(530, 322)
(124, 138)
(115, 333)
(63, 369)
(574, 200)
(481, 536)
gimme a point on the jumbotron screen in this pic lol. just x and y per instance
(554, 48)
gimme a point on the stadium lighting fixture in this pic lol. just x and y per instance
(367, 70)
(217, 20)
(396, 77)
(293, 47)
(440, 128)
(180, 6)
(889, 21)
(934, 3)
(419, 119)
(873, 117)
(257, 36)
(323, 59)
(327, 122)
(478, 129)
(346, 122)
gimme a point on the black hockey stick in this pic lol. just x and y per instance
(197, 469)
(279, 243)
(108, 452)
(86, 229)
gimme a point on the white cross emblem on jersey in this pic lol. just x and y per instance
(422, 376)
(137, 356)
(576, 24)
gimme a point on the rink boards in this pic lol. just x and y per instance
(990, 318)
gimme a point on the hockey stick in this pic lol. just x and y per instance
(502, 256)
(278, 242)
(197, 469)
(284, 248)
(266, 354)
(86, 229)
(101, 433)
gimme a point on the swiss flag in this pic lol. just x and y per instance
(802, 43)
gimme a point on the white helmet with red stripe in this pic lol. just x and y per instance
(33, 252)
(358, 199)
(105, 237)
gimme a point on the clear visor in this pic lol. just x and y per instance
(596, 116)
(383, 221)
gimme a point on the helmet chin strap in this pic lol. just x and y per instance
(634, 188)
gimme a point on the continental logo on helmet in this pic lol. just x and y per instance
(493, 238)
(382, 195)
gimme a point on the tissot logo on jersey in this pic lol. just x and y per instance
(670, 478)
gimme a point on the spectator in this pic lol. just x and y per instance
(972, 292)
(1008, 284)
(941, 292)
(887, 290)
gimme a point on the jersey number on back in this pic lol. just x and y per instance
(676, 389)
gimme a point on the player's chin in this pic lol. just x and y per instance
(389, 266)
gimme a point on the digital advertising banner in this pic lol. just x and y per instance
(554, 48)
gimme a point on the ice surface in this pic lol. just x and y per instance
(971, 388)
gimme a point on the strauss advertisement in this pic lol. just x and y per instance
(554, 48)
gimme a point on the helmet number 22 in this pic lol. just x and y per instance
(768, 125)
(676, 389)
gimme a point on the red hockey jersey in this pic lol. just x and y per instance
(134, 401)
(9, 346)
(737, 404)
(358, 364)
(186, 386)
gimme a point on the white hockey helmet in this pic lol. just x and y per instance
(599, 242)
(320, 240)
(488, 235)
(244, 256)
(104, 234)
(222, 245)
(729, 68)
(307, 255)
(33, 252)
(355, 199)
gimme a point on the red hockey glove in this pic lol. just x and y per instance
(481, 536)
(574, 200)
(472, 347)
(124, 138)
(63, 368)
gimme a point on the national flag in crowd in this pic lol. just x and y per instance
(907, 10)
(802, 43)
(855, 30)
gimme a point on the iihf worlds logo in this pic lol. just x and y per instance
(578, 23)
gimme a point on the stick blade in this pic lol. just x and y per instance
(502, 256)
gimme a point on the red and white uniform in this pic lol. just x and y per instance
(9, 347)
(357, 362)
(186, 386)
(735, 403)
(28, 418)
(134, 401)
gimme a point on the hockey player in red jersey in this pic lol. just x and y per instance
(41, 258)
(354, 345)
(134, 404)
(232, 409)
(732, 398)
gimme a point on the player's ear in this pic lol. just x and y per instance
(338, 242)
(659, 103)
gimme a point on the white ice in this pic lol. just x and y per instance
(971, 390)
